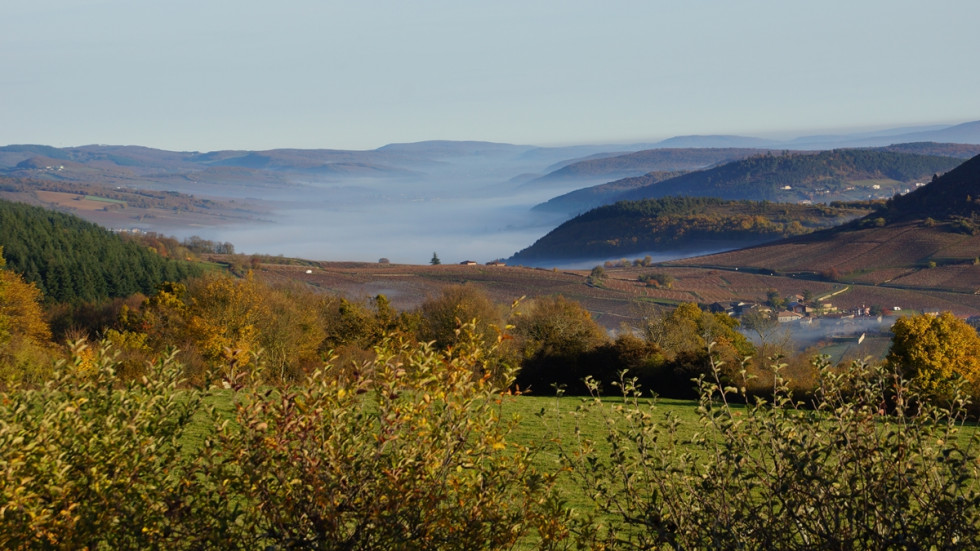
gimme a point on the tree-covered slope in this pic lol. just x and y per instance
(681, 224)
(824, 176)
(926, 239)
(70, 259)
(955, 194)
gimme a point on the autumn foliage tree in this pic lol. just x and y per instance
(24, 333)
(935, 350)
(684, 334)
(555, 336)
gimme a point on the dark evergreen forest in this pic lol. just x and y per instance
(72, 260)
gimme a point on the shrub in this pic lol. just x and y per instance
(869, 465)
(90, 464)
(410, 451)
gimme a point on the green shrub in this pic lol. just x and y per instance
(89, 464)
(409, 451)
(868, 465)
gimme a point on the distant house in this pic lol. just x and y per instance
(496, 263)
(467, 263)
(786, 316)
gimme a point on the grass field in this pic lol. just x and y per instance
(545, 423)
(550, 423)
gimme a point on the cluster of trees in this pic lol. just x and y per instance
(218, 323)
(657, 279)
(72, 260)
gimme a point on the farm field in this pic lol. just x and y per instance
(871, 255)
(621, 298)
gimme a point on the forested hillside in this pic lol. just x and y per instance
(825, 176)
(70, 259)
(682, 224)
(955, 195)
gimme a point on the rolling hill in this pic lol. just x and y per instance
(614, 167)
(927, 239)
(680, 224)
(842, 174)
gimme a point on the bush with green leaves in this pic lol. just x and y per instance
(869, 464)
(409, 451)
(89, 462)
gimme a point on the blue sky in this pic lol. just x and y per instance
(244, 74)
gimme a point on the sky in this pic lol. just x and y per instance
(204, 75)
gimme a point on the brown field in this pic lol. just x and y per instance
(855, 252)
(73, 201)
(622, 298)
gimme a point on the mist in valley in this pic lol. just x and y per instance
(473, 208)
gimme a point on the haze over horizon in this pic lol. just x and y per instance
(206, 75)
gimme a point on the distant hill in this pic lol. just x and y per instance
(927, 239)
(841, 174)
(608, 168)
(70, 259)
(675, 224)
(954, 195)
(717, 141)
(966, 133)
(958, 150)
(585, 199)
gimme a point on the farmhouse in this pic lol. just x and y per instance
(786, 316)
